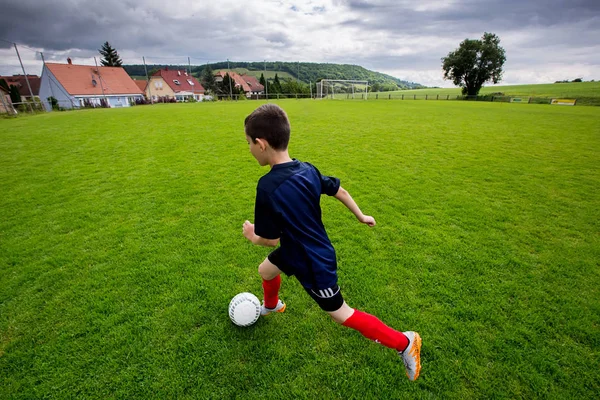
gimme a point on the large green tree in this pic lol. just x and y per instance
(208, 79)
(227, 86)
(110, 57)
(474, 63)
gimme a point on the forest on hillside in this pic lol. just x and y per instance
(304, 72)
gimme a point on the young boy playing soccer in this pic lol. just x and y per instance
(288, 212)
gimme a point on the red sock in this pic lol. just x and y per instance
(372, 328)
(271, 289)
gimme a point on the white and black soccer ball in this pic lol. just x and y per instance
(244, 309)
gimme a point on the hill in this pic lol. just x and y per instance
(305, 72)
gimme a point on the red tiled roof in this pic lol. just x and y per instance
(170, 76)
(79, 79)
(247, 82)
(141, 84)
(253, 83)
(20, 82)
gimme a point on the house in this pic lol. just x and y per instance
(75, 86)
(253, 86)
(21, 83)
(158, 89)
(181, 84)
(248, 83)
(141, 83)
(5, 102)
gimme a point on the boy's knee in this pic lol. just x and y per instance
(342, 314)
(266, 271)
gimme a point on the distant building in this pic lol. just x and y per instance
(21, 83)
(158, 89)
(141, 83)
(248, 83)
(5, 102)
(75, 86)
(181, 84)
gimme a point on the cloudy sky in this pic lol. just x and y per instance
(545, 40)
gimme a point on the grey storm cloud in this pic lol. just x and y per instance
(391, 34)
(466, 16)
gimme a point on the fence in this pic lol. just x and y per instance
(580, 101)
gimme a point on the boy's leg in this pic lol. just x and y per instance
(370, 327)
(271, 275)
(407, 344)
(271, 283)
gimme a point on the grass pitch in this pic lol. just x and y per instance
(571, 90)
(121, 245)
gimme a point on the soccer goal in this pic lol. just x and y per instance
(342, 89)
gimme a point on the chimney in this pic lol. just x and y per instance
(69, 61)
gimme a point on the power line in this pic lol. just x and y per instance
(20, 45)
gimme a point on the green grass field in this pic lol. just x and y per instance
(121, 245)
(568, 90)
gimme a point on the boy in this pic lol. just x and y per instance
(288, 209)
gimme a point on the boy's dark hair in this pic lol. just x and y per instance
(271, 123)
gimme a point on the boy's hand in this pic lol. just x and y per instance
(366, 219)
(248, 230)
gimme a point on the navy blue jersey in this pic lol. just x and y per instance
(288, 207)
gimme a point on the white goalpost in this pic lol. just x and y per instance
(342, 89)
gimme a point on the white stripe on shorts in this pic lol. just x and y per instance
(326, 293)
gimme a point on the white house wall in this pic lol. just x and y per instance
(49, 86)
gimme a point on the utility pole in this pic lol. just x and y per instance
(189, 66)
(230, 88)
(24, 73)
(148, 81)
(266, 82)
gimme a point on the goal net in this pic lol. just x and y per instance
(342, 89)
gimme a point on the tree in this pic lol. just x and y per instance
(474, 63)
(275, 87)
(110, 57)
(15, 96)
(227, 86)
(208, 79)
(262, 80)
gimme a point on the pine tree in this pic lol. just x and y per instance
(110, 57)
(262, 80)
(227, 86)
(276, 85)
(208, 79)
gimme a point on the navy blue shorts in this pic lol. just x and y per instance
(329, 299)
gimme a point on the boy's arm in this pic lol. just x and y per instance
(255, 239)
(343, 196)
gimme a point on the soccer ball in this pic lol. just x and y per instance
(244, 309)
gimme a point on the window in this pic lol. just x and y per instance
(190, 82)
(176, 82)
